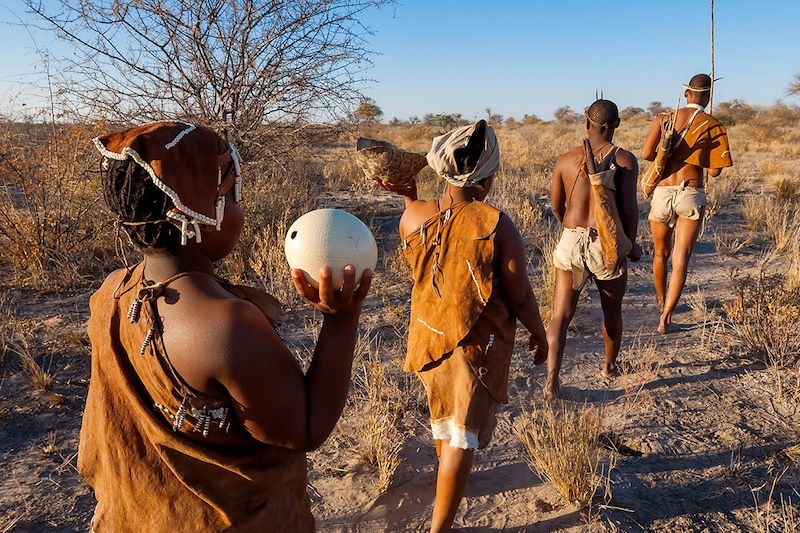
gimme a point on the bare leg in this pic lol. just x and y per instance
(565, 300)
(686, 233)
(662, 247)
(611, 294)
(451, 480)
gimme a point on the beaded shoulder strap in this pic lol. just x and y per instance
(148, 293)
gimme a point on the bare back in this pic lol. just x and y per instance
(677, 169)
(570, 192)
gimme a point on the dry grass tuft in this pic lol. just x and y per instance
(545, 274)
(793, 453)
(562, 446)
(728, 245)
(786, 190)
(774, 167)
(39, 376)
(775, 516)
(50, 446)
(7, 325)
(379, 441)
(765, 315)
(267, 261)
(721, 191)
(702, 311)
(777, 221)
(9, 522)
(782, 226)
(645, 237)
(793, 273)
(754, 208)
(396, 267)
(76, 335)
(638, 365)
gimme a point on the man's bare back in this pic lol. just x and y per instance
(678, 203)
(571, 194)
(573, 205)
(677, 170)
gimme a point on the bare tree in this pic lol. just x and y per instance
(794, 86)
(655, 108)
(494, 119)
(230, 64)
(566, 114)
(630, 112)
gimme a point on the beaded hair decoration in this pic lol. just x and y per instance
(185, 218)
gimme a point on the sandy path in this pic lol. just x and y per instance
(705, 425)
(701, 432)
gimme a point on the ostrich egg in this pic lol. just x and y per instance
(330, 237)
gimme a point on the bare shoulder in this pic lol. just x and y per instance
(569, 159)
(573, 155)
(209, 333)
(625, 159)
(506, 229)
(415, 215)
(237, 326)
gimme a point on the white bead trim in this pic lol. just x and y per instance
(475, 280)
(237, 167)
(186, 233)
(106, 152)
(196, 218)
(430, 327)
(129, 152)
(181, 135)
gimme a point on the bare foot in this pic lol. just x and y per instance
(610, 371)
(665, 325)
(552, 390)
(552, 395)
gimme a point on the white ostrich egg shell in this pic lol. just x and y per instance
(331, 237)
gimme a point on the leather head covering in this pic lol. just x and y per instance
(466, 155)
(193, 165)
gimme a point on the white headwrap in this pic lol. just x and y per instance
(441, 156)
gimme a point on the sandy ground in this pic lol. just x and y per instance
(703, 432)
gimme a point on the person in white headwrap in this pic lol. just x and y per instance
(470, 287)
(466, 156)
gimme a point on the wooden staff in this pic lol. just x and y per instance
(711, 95)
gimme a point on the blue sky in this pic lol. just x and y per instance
(520, 57)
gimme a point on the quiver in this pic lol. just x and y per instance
(614, 244)
(655, 171)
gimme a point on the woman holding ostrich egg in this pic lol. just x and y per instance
(198, 417)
